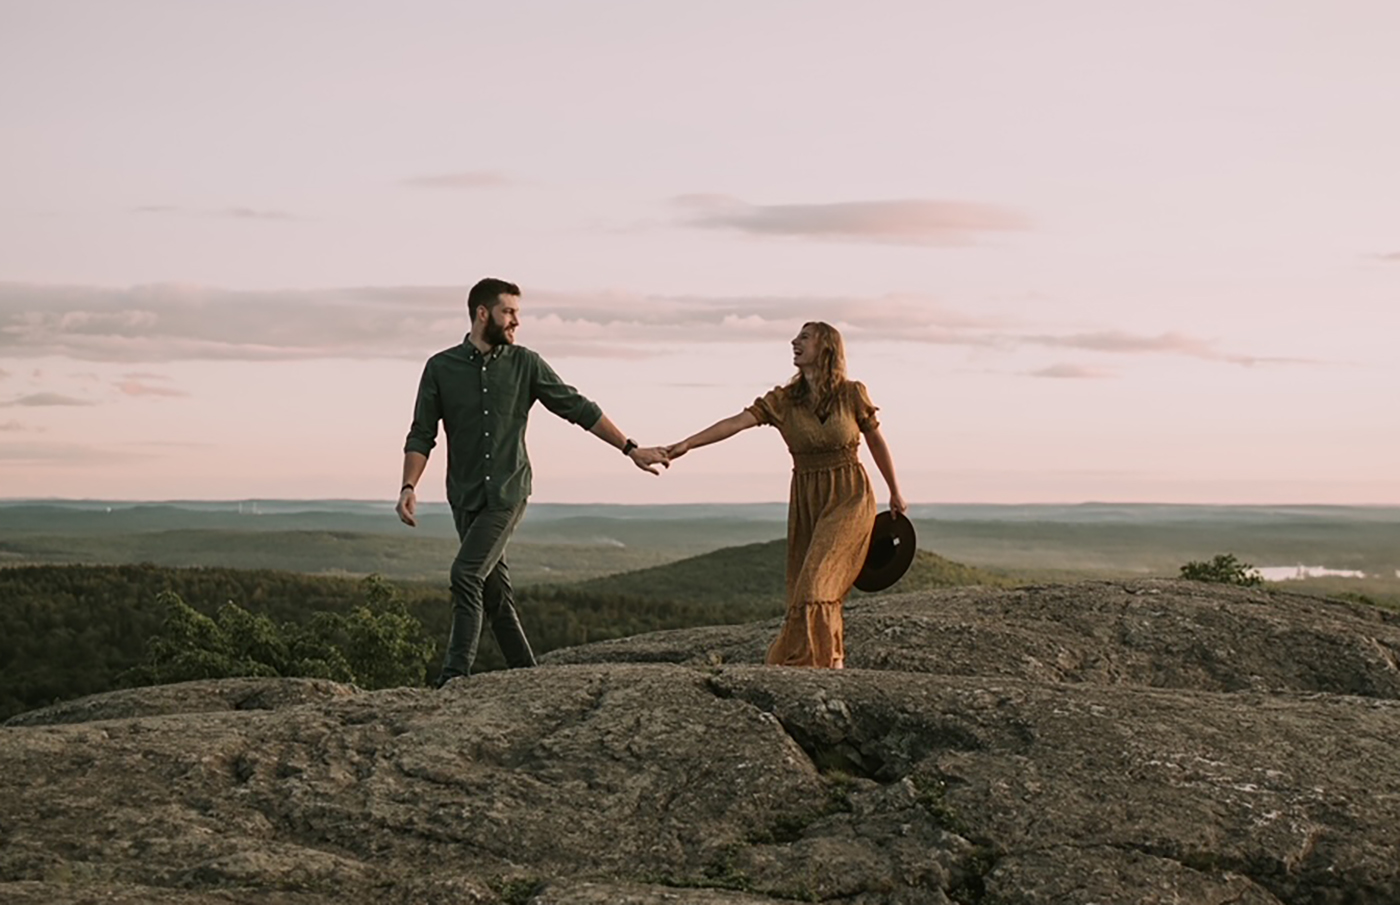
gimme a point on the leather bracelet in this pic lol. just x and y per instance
(628, 447)
(406, 487)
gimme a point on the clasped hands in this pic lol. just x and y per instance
(647, 458)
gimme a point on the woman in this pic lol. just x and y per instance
(821, 416)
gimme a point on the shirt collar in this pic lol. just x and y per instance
(475, 354)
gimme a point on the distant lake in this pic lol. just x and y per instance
(1292, 573)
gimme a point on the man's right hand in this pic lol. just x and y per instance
(648, 457)
(408, 502)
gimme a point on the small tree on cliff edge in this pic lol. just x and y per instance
(379, 644)
(1223, 569)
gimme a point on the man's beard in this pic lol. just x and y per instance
(495, 334)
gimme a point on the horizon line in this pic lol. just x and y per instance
(387, 501)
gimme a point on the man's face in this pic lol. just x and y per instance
(501, 320)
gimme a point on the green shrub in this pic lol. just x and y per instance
(379, 644)
(1223, 569)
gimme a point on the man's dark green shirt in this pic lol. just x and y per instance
(483, 402)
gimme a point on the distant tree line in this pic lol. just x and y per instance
(69, 631)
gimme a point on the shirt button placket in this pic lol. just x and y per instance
(484, 413)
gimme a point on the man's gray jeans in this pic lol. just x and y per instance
(481, 585)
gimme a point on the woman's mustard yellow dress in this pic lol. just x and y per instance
(830, 512)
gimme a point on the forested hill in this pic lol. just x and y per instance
(67, 631)
(755, 572)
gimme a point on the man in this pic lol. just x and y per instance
(482, 391)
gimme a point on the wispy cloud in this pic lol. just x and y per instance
(251, 213)
(169, 444)
(67, 454)
(1071, 372)
(1393, 257)
(224, 213)
(12, 426)
(899, 222)
(35, 400)
(139, 388)
(1115, 341)
(163, 323)
(467, 179)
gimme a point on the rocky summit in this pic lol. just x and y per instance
(1138, 742)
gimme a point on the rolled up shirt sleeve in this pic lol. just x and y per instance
(562, 399)
(427, 412)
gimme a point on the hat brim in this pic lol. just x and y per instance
(892, 548)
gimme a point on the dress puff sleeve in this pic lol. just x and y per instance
(864, 409)
(770, 407)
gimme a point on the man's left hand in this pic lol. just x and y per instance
(407, 507)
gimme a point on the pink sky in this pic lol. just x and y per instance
(1079, 251)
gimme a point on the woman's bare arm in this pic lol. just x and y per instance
(720, 430)
(880, 450)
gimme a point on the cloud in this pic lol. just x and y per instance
(12, 426)
(249, 213)
(225, 213)
(67, 454)
(44, 399)
(162, 323)
(170, 444)
(1393, 256)
(138, 388)
(1115, 341)
(169, 322)
(1071, 371)
(468, 179)
(4, 373)
(898, 222)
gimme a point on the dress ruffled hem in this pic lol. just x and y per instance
(812, 635)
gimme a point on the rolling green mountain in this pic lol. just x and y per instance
(755, 573)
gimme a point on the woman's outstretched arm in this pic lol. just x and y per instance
(880, 450)
(720, 430)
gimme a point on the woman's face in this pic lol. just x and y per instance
(804, 348)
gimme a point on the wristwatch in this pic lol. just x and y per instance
(628, 447)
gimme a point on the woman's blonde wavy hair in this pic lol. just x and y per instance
(829, 373)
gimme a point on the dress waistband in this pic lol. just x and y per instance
(825, 459)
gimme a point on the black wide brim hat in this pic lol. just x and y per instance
(892, 547)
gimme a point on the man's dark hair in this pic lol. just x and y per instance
(486, 292)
